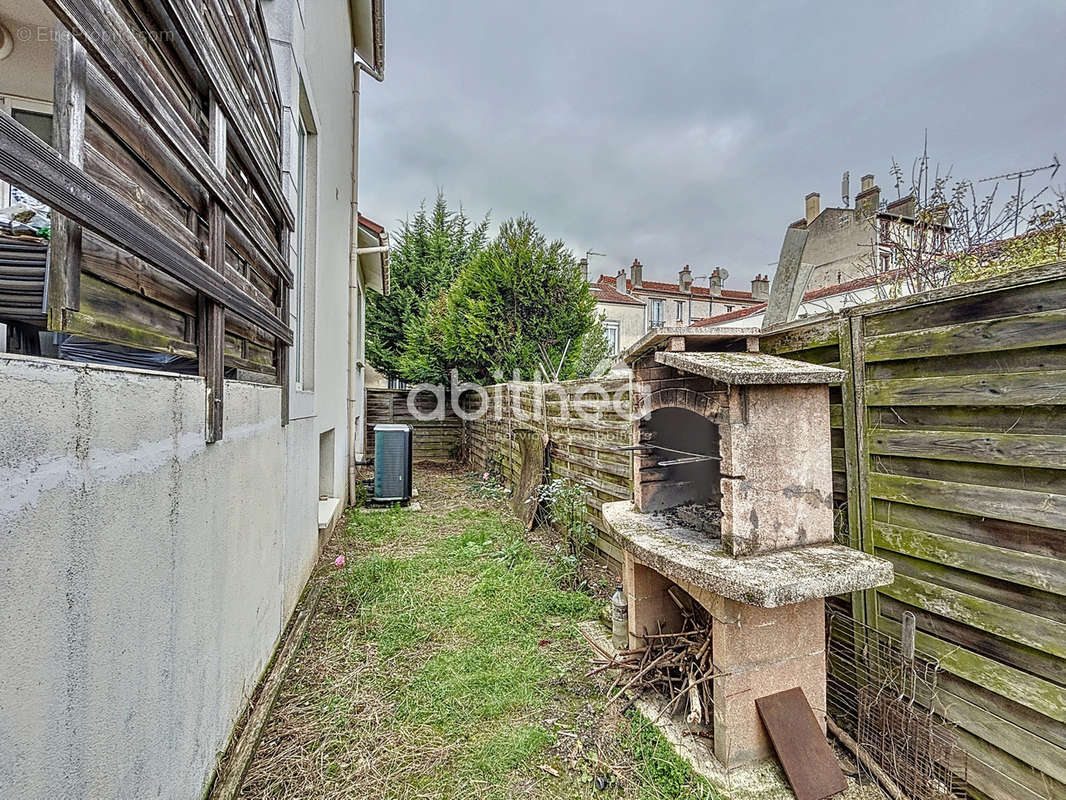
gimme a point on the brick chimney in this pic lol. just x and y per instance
(814, 206)
(620, 281)
(583, 265)
(868, 200)
(637, 273)
(684, 280)
(760, 287)
(716, 282)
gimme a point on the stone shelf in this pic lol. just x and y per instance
(749, 369)
(768, 581)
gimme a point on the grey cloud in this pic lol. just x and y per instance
(689, 131)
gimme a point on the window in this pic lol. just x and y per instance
(611, 328)
(35, 115)
(656, 313)
(728, 309)
(304, 174)
(886, 262)
(301, 249)
(38, 122)
(680, 310)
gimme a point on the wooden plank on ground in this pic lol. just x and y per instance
(806, 757)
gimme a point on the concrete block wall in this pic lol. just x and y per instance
(146, 576)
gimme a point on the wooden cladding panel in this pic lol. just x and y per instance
(119, 170)
(170, 222)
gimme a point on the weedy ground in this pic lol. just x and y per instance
(445, 662)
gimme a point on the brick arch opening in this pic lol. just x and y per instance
(704, 404)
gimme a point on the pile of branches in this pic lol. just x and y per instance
(677, 665)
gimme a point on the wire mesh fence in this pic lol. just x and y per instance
(879, 692)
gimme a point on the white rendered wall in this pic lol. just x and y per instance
(146, 576)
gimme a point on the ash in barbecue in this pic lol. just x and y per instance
(705, 517)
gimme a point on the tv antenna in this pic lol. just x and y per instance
(593, 253)
(1018, 176)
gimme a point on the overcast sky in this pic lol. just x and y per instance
(689, 131)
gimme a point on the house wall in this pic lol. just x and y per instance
(699, 308)
(837, 241)
(630, 318)
(822, 305)
(146, 575)
(314, 51)
(27, 70)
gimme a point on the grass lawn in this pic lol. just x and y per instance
(445, 662)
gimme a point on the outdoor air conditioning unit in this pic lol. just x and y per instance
(392, 462)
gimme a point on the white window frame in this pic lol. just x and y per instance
(680, 310)
(300, 232)
(305, 242)
(610, 327)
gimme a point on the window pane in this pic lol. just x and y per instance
(298, 273)
(39, 124)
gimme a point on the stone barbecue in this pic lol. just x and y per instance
(733, 504)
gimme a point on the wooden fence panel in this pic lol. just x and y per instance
(436, 439)
(587, 423)
(954, 437)
(171, 228)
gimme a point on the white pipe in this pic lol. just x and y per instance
(353, 279)
(353, 297)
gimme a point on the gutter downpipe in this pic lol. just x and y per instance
(354, 399)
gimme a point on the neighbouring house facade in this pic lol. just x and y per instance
(828, 299)
(631, 306)
(184, 382)
(844, 244)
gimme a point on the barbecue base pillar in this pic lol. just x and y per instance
(760, 651)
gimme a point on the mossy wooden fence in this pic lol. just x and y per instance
(436, 439)
(949, 451)
(949, 459)
(587, 425)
